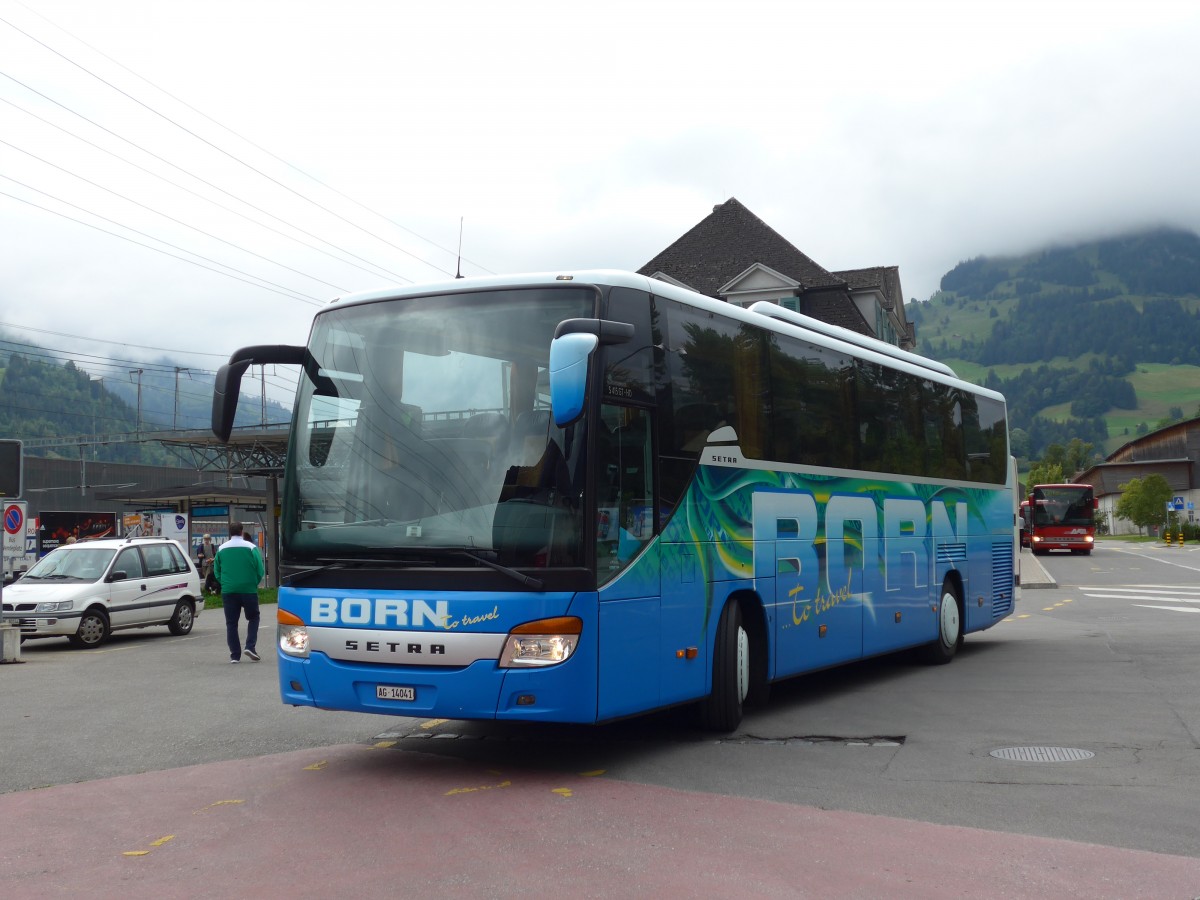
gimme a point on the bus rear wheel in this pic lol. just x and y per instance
(950, 635)
(721, 710)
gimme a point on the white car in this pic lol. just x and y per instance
(85, 591)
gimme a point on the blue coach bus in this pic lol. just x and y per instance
(580, 497)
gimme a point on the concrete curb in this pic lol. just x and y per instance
(1033, 574)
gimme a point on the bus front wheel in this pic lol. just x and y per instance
(949, 626)
(721, 710)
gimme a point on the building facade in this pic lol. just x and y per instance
(1172, 452)
(735, 256)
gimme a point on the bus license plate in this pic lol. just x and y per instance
(391, 692)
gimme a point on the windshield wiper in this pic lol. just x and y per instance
(529, 582)
(303, 576)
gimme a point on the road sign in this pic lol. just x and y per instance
(14, 519)
(1177, 503)
(14, 532)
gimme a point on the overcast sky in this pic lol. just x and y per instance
(322, 148)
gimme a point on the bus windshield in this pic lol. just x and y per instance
(423, 426)
(1066, 506)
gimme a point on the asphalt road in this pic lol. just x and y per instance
(852, 775)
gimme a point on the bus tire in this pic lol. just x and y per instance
(949, 625)
(721, 710)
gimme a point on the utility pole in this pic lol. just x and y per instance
(138, 372)
(175, 416)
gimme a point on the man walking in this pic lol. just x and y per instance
(239, 568)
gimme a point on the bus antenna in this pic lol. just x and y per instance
(458, 269)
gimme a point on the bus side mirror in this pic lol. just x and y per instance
(569, 357)
(225, 398)
(575, 340)
(229, 379)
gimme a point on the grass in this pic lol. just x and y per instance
(265, 596)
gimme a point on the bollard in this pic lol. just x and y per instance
(10, 643)
(1181, 539)
(1167, 537)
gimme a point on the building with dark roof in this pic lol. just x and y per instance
(735, 256)
(1172, 452)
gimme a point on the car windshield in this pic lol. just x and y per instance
(423, 426)
(82, 564)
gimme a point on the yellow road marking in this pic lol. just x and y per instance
(472, 790)
(162, 840)
(562, 792)
(317, 766)
(593, 773)
(219, 803)
(433, 723)
(382, 745)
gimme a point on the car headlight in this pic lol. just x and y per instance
(57, 606)
(546, 642)
(293, 634)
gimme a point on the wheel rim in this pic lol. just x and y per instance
(184, 617)
(743, 664)
(91, 630)
(949, 619)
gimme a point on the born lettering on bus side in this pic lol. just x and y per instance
(724, 459)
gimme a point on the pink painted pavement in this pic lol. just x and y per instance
(373, 821)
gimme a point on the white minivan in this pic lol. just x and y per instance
(87, 590)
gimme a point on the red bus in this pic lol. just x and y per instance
(1059, 517)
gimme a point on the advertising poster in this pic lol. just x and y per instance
(59, 527)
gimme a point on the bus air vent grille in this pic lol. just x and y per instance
(1002, 579)
(947, 553)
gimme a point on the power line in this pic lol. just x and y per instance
(155, 249)
(198, 178)
(215, 262)
(246, 140)
(165, 216)
(112, 366)
(195, 194)
(221, 150)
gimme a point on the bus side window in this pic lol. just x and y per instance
(625, 505)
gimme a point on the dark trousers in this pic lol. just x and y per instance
(234, 604)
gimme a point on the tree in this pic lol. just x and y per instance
(1079, 455)
(1018, 440)
(1144, 500)
(1046, 472)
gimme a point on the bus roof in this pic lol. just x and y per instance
(765, 315)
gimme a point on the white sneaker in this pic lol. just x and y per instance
(235, 660)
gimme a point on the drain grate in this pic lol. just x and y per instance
(1042, 754)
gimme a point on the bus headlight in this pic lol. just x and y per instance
(293, 634)
(546, 642)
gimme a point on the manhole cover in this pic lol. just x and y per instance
(1042, 754)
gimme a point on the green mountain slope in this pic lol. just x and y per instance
(43, 397)
(1098, 341)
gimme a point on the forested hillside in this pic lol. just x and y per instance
(1072, 335)
(41, 397)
